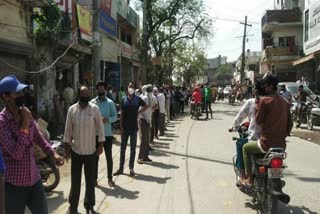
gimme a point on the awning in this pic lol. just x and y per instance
(303, 59)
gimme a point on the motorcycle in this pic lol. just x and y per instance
(306, 108)
(314, 116)
(48, 169)
(220, 96)
(267, 170)
(195, 110)
(49, 172)
(232, 98)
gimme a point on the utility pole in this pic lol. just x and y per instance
(144, 48)
(244, 48)
(96, 41)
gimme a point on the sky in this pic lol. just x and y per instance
(224, 41)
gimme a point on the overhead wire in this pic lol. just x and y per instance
(46, 68)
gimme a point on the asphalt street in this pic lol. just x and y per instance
(192, 173)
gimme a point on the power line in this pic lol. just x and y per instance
(233, 20)
(44, 69)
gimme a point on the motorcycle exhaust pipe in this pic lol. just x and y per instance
(284, 198)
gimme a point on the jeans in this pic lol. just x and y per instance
(239, 145)
(133, 144)
(17, 198)
(89, 163)
(250, 149)
(108, 153)
(144, 133)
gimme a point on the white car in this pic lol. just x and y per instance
(227, 91)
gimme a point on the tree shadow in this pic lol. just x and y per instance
(119, 192)
(291, 209)
(150, 178)
(162, 165)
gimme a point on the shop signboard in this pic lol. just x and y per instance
(108, 24)
(84, 22)
(312, 31)
(126, 50)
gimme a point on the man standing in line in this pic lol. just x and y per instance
(84, 121)
(162, 111)
(109, 115)
(129, 126)
(18, 135)
(155, 116)
(208, 99)
(144, 126)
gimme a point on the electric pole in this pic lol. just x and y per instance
(96, 41)
(244, 48)
(144, 48)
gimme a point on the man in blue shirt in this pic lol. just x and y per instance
(109, 115)
(130, 106)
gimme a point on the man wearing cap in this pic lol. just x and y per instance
(18, 134)
(273, 115)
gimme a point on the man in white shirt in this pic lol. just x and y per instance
(144, 125)
(162, 111)
(84, 122)
(285, 93)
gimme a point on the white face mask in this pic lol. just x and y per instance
(110, 91)
(130, 91)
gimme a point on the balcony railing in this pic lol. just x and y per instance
(281, 16)
(282, 51)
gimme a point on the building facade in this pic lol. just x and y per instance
(282, 39)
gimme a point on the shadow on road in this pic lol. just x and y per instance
(196, 157)
(286, 209)
(162, 165)
(55, 199)
(151, 178)
(119, 192)
(227, 112)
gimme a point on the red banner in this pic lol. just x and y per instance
(105, 5)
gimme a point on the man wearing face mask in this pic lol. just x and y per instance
(18, 134)
(144, 126)
(130, 106)
(109, 93)
(109, 115)
(84, 122)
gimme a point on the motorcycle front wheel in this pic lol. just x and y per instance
(50, 174)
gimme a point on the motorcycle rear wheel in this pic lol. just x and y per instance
(270, 204)
(50, 174)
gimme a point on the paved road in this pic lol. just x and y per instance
(192, 173)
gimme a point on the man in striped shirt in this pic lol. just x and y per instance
(18, 134)
(84, 123)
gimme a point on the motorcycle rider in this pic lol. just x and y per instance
(273, 114)
(254, 130)
(302, 99)
(196, 98)
(285, 93)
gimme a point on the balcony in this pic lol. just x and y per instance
(36, 3)
(274, 18)
(281, 53)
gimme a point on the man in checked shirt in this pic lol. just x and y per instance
(18, 134)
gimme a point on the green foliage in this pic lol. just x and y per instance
(189, 61)
(51, 24)
(224, 72)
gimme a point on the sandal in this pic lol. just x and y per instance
(245, 184)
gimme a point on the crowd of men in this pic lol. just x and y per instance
(88, 131)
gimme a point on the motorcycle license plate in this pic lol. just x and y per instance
(275, 173)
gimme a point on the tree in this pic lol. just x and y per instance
(168, 22)
(224, 73)
(189, 62)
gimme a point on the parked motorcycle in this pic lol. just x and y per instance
(48, 169)
(267, 171)
(314, 116)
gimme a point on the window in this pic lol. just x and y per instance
(288, 41)
(306, 26)
(123, 35)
